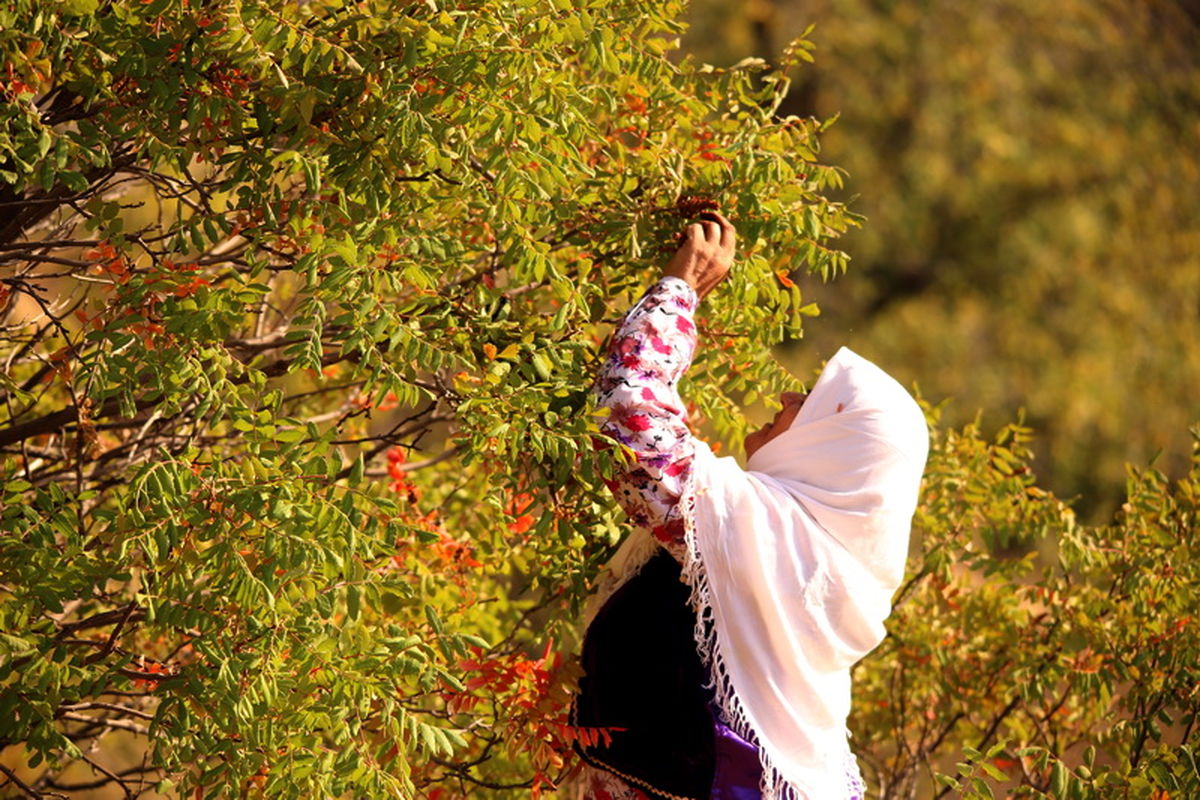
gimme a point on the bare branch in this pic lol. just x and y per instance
(120, 724)
(112, 776)
(119, 615)
(38, 244)
(26, 788)
(94, 704)
(99, 782)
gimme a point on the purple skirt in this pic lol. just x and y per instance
(738, 768)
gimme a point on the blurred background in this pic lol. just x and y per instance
(1030, 174)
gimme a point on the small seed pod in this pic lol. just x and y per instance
(692, 205)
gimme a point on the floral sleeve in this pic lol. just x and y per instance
(650, 351)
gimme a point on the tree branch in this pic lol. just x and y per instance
(120, 724)
(26, 788)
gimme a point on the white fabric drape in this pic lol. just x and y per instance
(792, 565)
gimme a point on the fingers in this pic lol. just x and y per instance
(706, 252)
(719, 230)
(704, 233)
(728, 233)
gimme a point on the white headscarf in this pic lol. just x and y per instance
(792, 565)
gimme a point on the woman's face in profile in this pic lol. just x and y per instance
(791, 401)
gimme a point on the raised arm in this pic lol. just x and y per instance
(638, 381)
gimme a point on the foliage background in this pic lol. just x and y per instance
(1028, 170)
(301, 487)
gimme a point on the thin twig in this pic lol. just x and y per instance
(26, 788)
(121, 724)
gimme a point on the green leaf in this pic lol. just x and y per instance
(80, 7)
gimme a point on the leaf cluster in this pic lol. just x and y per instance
(303, 308)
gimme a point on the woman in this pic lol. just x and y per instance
(721, 637)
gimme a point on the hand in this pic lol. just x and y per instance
(706, 254)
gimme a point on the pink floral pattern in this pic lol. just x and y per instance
(650, 352)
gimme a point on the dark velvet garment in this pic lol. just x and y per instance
(642, 674)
